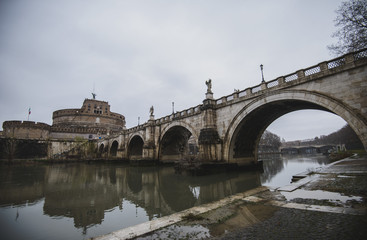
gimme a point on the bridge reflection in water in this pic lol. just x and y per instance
(100, 198)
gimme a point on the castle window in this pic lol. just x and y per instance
(97, 111)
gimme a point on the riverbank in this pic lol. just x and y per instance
(329, 203)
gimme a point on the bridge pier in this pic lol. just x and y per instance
(148, 152)
(148, 148)
(210, 145)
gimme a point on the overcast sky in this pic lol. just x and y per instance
(155, 52)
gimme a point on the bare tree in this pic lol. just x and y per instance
(352, 23)
(269, 142)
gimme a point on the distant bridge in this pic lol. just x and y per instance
(311, 149)
(228, 129)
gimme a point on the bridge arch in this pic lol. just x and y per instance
(135, 147)
(176, 142)
(245, 130)
(114, 147)
(101, 149)
(188, 126)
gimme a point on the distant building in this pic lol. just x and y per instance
(93, 120)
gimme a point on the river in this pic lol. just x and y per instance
(80, 200)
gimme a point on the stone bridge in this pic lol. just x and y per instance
(228, 129)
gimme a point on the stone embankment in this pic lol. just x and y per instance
(329, 203)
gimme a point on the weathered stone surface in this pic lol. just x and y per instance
(209, 136)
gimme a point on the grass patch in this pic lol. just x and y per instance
(339, 155)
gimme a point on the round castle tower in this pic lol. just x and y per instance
(93, 120)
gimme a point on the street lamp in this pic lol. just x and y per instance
(262, 74)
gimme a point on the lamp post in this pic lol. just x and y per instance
(173, 107)
(262, 74)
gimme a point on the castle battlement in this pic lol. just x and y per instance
(63, 112)
(83, 130)
(26, 124)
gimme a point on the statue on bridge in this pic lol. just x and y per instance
(151, 111)
(209, 86)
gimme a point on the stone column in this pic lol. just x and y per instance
(210, 144)
(149, 145)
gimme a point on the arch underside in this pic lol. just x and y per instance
(135, 150)
(175, 144)
(101, 150)
(244, 143)
(114, 147)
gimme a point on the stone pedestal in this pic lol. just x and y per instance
(209, 95)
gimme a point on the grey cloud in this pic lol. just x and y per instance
(143, 53)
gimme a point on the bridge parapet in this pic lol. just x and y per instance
(182, 114)
(137, 128)
(320, 70)
(166, 119)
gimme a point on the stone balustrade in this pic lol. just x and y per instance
(321, 69)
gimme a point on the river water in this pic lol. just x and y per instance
(80, 200)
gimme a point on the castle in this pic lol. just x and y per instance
(93, 120)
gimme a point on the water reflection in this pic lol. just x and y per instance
(272, 165)
(279, 169)
(86, 193)
(77, 201)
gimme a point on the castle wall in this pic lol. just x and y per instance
(11, 148)
(88, 120)
(70, 135)
(26, 130)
